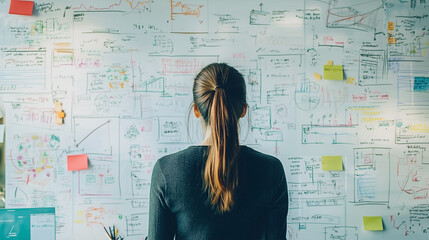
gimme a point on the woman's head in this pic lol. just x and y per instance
(219, 94)
(219, 80)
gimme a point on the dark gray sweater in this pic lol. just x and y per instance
(178, 205)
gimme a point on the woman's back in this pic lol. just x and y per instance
(179, 203)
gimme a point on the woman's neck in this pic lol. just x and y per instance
(207, 134)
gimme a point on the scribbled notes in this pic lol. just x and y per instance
(373, 223)
(333, 72)
(332, 163)
(77, 162)
(21, 7)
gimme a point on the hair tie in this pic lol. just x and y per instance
(219, 86)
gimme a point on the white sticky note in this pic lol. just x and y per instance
(1, 133)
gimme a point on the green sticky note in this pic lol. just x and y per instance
(333, 72)
(373, 223)
(332, 163)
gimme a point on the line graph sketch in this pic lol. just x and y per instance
(131, 4)
(359, 16)
(96, 135)
(189, 16)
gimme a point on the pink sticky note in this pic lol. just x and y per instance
(77, 162)
(21, 7)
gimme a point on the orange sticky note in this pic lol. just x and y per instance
(77, 162)
(390, 26)
(391, 40)
(21, 7)
(61, 114)
(330, 62)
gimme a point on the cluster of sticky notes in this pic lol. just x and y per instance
(373, 223)
(391, 39)
(332, 163)
(60, 113)
(77, 162)
(331, 72)
(21, 7)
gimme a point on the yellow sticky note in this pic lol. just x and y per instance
(59, 121)
(350, 80)
(317, 76)
(330, 62)
(333, 72)
(373, 223)
(332, 163)
(58, 106)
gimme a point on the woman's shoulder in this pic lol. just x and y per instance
(251, 153)
(264, 168)
(179, 158)
(263, 164)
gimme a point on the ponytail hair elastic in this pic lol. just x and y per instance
(219, 86)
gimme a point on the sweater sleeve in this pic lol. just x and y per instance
(161, 219)
(277, 213)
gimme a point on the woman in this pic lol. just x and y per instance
(219, 189)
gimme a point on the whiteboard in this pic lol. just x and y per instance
(123, 71)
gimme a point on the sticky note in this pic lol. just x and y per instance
(77, 162)
(1, 133)
(330, 62)
(21, 7)
(317, 76)
(333, 72)
(332, 163)
(59, 121)
(390, 26)
(373, 223)
(421, 84)
(61, 114)
(350, 80)
(58, 106)
(391, 40)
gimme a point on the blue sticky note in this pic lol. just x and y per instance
(421, 84)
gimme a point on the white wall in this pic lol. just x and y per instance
(124, 69)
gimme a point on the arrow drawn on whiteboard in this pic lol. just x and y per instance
(77, 145)
(12, 234)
